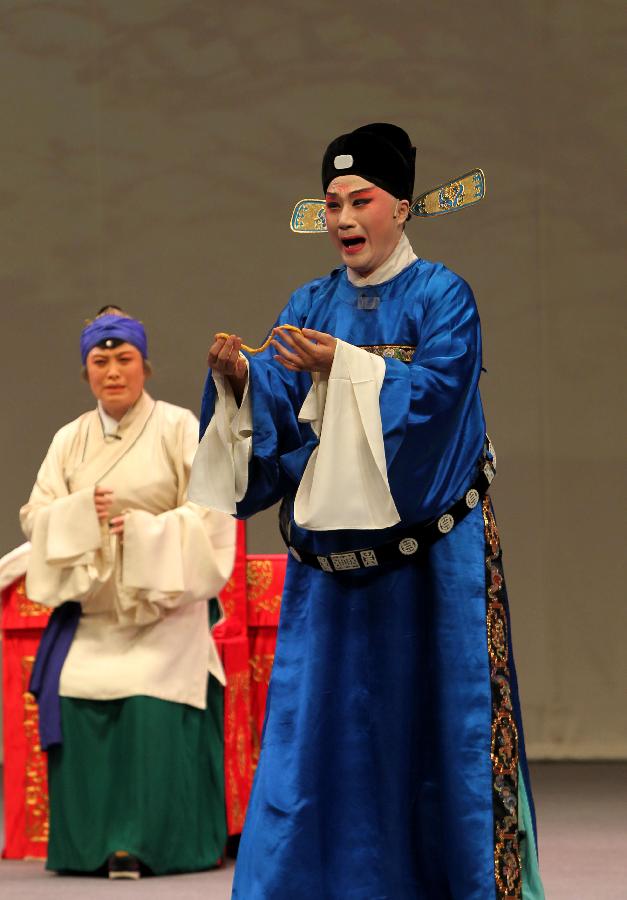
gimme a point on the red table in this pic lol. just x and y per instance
(246, 641)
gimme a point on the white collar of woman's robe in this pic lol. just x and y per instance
(401, 257)
(111, 427)
(109, 424)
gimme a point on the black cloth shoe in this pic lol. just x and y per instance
(123, 865)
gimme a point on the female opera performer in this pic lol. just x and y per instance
(392, 762)
(137, 781)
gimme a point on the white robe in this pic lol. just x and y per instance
(144, 627)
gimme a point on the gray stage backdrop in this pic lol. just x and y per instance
(151, 152)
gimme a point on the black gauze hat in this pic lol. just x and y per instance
(380, 153)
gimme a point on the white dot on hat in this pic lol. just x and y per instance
(344, 161)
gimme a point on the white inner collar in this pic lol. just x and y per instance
(401, 257)
(109, 424)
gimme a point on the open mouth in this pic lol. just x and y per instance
(353, 244)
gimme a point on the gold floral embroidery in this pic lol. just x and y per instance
(36, 782)
(238, 685)
(504, 743)
(259, 573)
(26, 607)
(497, 634)
(269, 604)
(241, 751)
(404, 352)
(256, 743)
(227, 598)
(261, 665)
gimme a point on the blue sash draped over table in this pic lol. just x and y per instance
(46, 674)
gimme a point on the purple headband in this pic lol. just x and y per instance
(117, 327)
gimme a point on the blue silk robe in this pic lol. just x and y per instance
(392, 745)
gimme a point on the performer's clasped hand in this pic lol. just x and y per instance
(299, 351)
(306, 351)
(225, 357)
(103, 498)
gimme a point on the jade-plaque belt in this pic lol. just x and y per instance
(407, 543)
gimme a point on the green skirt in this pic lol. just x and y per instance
(141, 775)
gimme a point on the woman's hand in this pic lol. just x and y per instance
(103, 498)
(309, 351)
(224, 357)
(116, 525)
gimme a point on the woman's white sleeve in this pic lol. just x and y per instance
(178, 557)
(71, 549)
(182, 556)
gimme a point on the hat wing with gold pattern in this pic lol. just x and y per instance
(452, 195)
(309, 215)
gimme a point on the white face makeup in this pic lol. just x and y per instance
(364, 222)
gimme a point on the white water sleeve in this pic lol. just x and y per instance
(173, 560)
(345, 484)
(14, 564)
(71, 554)
(219, 476)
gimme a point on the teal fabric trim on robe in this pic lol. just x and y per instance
(531, 883)
(141, 775)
